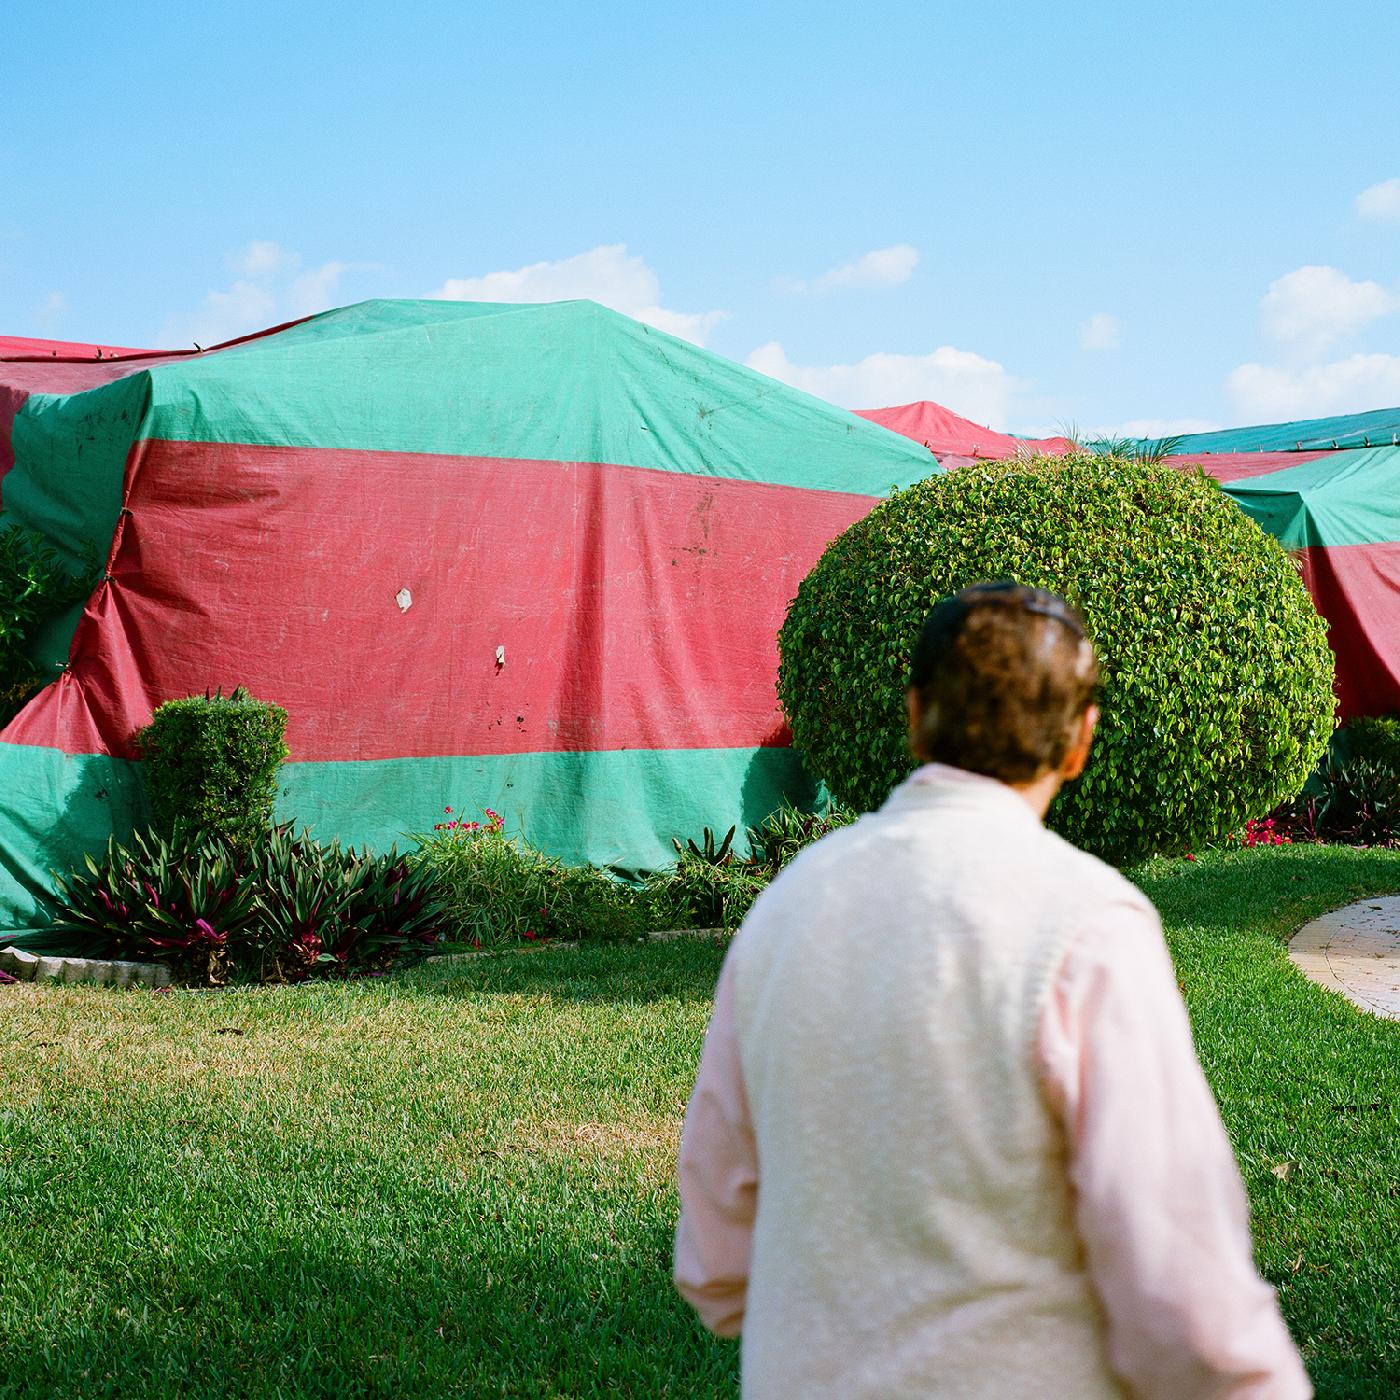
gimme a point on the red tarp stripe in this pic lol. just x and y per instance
(637, 608)
(1240, 466)
(22, 347)
(944, 432)
(53, 371)
(1357, 589)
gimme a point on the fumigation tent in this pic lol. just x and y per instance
(1328, 489)
(953, 439)
(526, 557)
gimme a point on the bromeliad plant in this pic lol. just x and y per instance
(281, 909)
(790, 830)
(156, 902)
(1355, 801)
(332, 908)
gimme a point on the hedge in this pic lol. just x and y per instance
(1217, 700)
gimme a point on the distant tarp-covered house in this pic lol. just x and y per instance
(530, 557)
(1326, 488)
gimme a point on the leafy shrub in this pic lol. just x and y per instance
(1376, 738)
(211, 765)
(711, 887)
(499, 890)
(1217, 699)
(1354, 801)
(789, 830)
(701, 893)
(280, 909)
(34, 587)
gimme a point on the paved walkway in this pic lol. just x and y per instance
(1355, 951)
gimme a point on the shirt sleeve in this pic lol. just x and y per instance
(1160, 1205)
(718, 1173)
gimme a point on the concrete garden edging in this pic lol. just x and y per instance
(1355, 951)
(107, 972)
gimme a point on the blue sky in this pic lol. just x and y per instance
(1095, 213)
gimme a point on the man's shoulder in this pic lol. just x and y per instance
(1099, 881)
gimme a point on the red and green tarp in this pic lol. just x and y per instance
(526, 557)
(1327, 488)
(953, 439)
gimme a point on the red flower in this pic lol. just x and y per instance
(448, 810)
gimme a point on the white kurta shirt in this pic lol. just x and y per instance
(949, 1135)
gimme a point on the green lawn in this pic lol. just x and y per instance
(458, 1180)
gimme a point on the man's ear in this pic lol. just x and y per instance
(915, 711)
(1078, 754)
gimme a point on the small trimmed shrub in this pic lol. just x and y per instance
(499, 890)
(211, 765)
(34, 587)
(1217, 700)
(281, 909)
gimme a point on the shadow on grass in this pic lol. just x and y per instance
(684, 969)
(1274, 888)
(280, 1321)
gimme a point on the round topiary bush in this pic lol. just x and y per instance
(1217, 698)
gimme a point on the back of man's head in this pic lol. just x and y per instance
(1002, 675)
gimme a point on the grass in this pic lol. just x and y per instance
(458, 1181)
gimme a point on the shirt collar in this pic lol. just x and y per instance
(943, 782)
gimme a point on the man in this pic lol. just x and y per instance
(949, 1136)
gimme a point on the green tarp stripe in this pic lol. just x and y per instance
(569, 382)
(1378, 428)
(596, 808)
(1344, 498)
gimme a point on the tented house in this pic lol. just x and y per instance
(953, 439)
(1326, 488)
(526, 557)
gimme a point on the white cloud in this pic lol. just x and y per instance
(1267, 393)
(261, 259)
(314, 290)
(1307, 313)
(1100, 332)
(51, 313)
(1312, 309)
(881, 267)
(1380, 202)
(1154, 428)
(607, 274)
(978, 388)
(270, 287)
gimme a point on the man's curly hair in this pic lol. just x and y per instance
(1003, 673)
